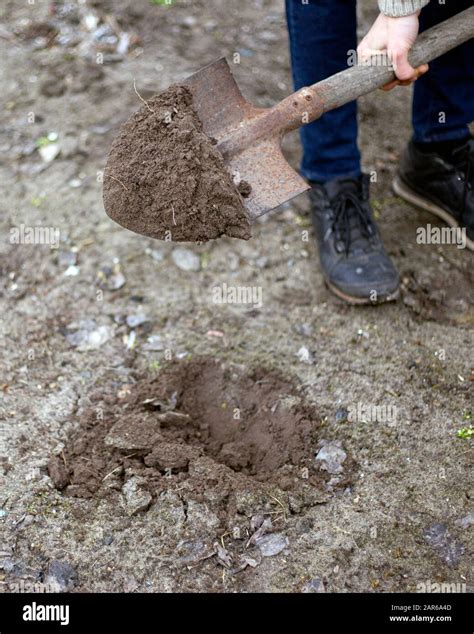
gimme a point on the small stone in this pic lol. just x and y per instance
(271, 544)
(186, 260)
(49, 152)
(314, 586)
(133, 321)
(331, 456)
(305, 356)
(72, 271)
(173, 418)
(252, 557)
(67, 258)
(136, 497)
(89, 337)
(305, 330)
(439, 538)
(90, 21)
(156, 255)
(70, 146)
(341, 415)
(116, 281)
(61, 575)
(154, 342)
(233, 261)
(189, 20)
(466, 521)
(191, 553)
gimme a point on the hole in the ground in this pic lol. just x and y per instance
(253, 421)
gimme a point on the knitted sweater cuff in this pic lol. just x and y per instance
(400, 8)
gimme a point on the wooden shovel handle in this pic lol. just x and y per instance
(311, 102)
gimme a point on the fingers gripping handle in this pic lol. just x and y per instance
(360, 80)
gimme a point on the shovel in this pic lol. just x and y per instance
(249, 137)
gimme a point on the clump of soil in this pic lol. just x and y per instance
(165, 178)
(204, 425)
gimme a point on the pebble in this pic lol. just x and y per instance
(439, 538)
(90, 21)
(133, 321)
(116, 281)
(271, 544)
(136, 497)
(315, 585)
(70, 146)
(61, 575)
(341, 415)
(304, 330)
(305, 355)
(331, 456)
(186, 260)
(67, 258)
(233, 261)
(89, 336)
(153, 343)
(72, 271)
(192, 552)
(158, 256)
(252, 558)
(261, 262)
(189, 20)
(49, 152)
(466, 521)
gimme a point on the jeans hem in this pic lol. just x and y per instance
(436, 137)
(314, 177)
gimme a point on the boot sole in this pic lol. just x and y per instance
(408, 194)
(360, 301)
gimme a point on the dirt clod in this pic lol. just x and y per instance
(165, 179)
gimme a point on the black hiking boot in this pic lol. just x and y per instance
(442, 185)
(355, 264)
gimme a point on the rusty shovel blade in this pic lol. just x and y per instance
(246, 138)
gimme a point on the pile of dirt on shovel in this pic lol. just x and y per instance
(165, 178)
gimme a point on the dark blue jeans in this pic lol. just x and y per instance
(321, 34)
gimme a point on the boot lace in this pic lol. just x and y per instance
(351, 221)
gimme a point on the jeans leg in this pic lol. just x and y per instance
(443, 101)
(322, 32)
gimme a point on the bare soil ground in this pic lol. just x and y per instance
(153, 440)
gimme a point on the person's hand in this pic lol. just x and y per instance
(396, 36)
